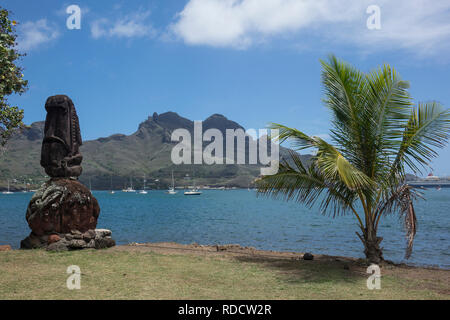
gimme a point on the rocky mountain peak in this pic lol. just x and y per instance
(218, 121)
(33, 132)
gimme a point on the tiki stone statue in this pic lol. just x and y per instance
(63, 213)
(60, 155)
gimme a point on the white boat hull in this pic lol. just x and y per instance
(192, 193)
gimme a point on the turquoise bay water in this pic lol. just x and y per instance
(238, 216)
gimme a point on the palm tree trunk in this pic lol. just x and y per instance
(372, 250)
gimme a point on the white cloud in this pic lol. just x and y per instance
(240, 23)
(130, 26)
(32, 34)
(410, 24)
(417, 25)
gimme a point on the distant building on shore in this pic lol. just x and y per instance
(430, 181)
(431, 177)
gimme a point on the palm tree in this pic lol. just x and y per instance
(377, 134)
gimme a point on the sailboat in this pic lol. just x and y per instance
(7, 192)
(25, 190)
(172, 189)
(193, 192)
(129, 189)
(111, 191)
(143, 191)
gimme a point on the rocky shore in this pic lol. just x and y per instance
(74, 240)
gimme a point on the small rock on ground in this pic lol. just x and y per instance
(308, 256)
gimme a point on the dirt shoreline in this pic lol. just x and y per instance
(224, 250)
(238, 250)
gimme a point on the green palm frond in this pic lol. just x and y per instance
(334, 166)
(294, 182)
(341, 81)
(387, 109)
(428, 128)
(331, 163)
(299, 140)
(388, 101)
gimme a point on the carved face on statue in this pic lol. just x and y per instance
(60, 155)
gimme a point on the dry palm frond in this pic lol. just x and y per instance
(401, 200)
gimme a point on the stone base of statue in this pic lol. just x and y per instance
(75, 240)
(64, 213)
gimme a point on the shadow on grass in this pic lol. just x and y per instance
(301, 271)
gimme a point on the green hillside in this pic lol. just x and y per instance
(122, 158)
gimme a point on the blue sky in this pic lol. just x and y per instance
(254, 61)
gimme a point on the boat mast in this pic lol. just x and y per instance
(193, 179)
(173, 182)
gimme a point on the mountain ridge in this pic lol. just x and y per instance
(119, 157)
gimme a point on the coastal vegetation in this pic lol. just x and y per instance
(116, 159)
(377, 135)
(11, 77)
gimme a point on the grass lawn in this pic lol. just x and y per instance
(129, 272)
